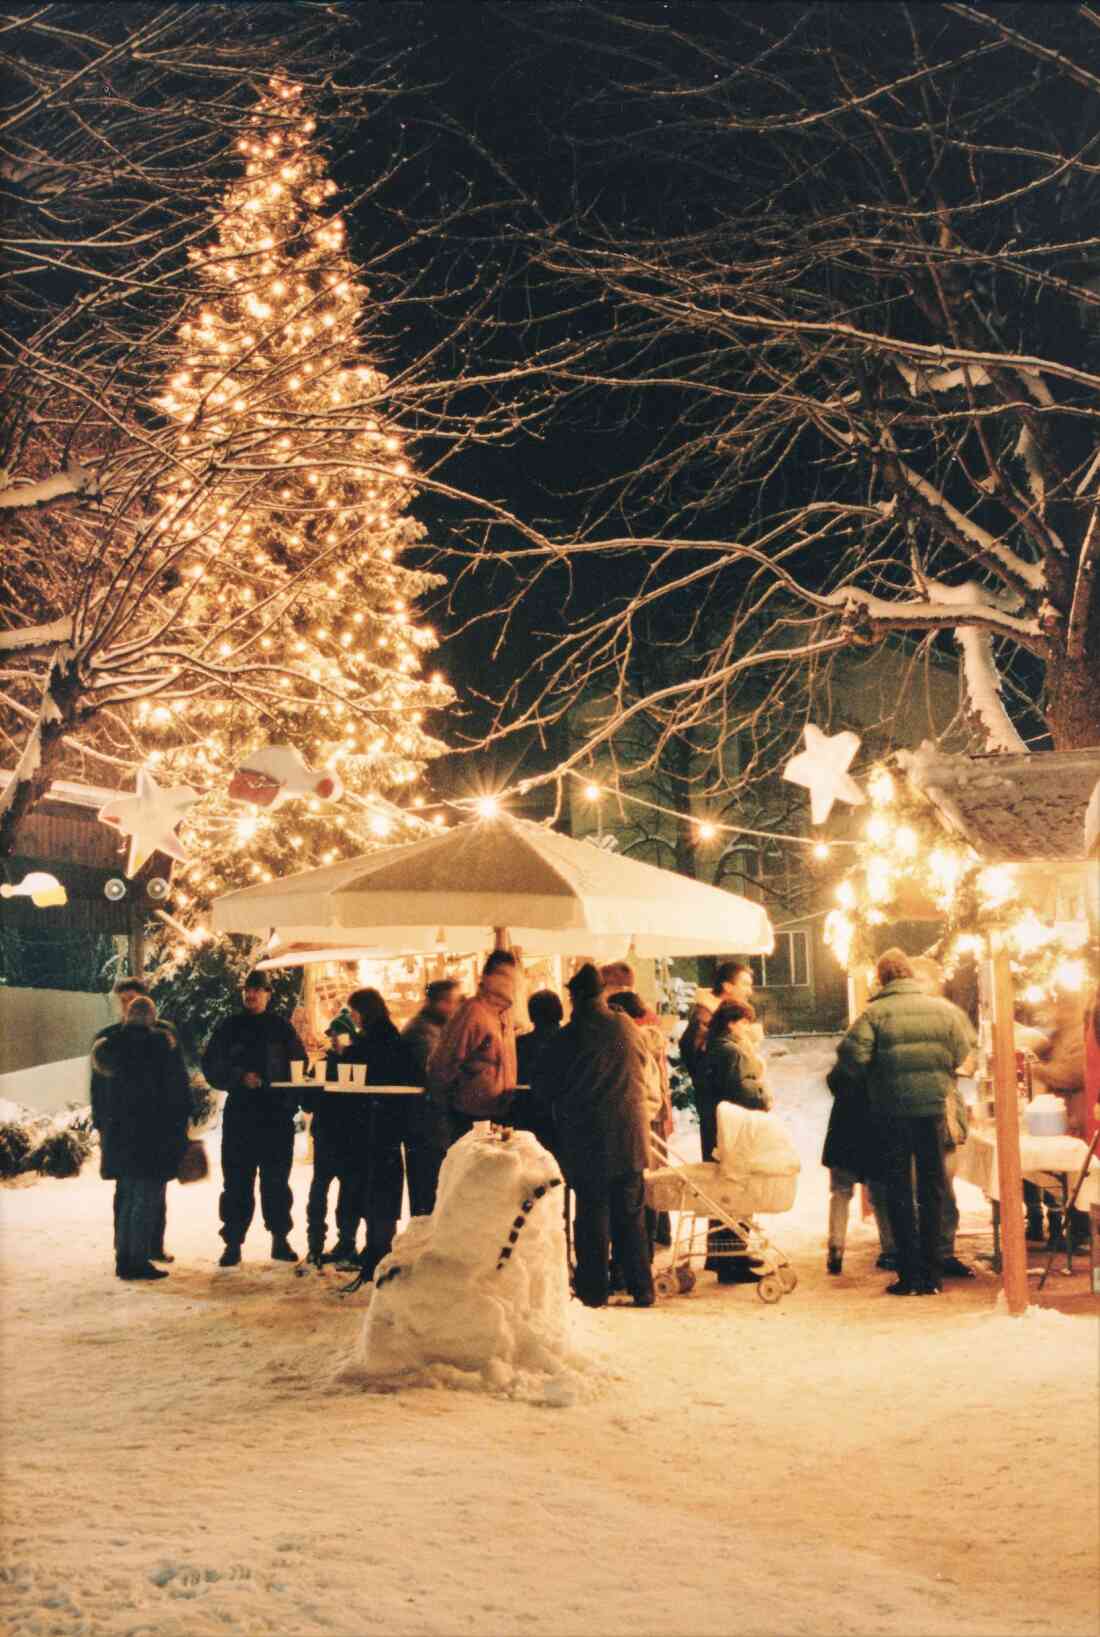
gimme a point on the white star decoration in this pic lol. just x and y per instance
(149, 819)
(823, 769)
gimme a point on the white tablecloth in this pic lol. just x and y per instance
(1040, 1158)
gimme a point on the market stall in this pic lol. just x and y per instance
(989, 852)
(440, 904)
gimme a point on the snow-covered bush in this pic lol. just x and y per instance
(63, 1152)
(15, 1149)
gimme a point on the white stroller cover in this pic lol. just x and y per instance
(754, 1143)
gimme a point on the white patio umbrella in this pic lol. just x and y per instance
(462, 889)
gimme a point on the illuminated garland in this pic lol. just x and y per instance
(907, 866)
(286, 527)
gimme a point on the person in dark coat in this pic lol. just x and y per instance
(530, 1112)
(907, 1048)
(427, 1143)
(246, 1056)
(374, 1135)
(693, 1055)
(734, 1069)
(125, 991)
(593, 1077)
(143, 1108)
(852, 1153)
(733, 1072)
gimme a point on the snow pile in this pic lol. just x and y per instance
(1030, 1321)
(477, 1294)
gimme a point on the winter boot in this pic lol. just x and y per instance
(344, 1257)
(1034, 1230)
(281, 1251)
(835, 1261)
(162, 1255)
(146, 1270)
(1056, 1239)
(230, 1257)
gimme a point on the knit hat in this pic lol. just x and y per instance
(257, 980)
(585, 984)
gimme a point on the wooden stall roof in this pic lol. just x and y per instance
(1012, 809)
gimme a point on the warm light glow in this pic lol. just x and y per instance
(906, 842)
(1070, 975)
(821, 849)
(707, 831)
(592, 792)
(487, 807)
(997, 885)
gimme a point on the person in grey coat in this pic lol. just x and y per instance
(906, 1047)
(593, 1077)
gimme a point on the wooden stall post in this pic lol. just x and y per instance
(1006, 1105)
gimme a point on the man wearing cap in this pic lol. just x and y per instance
(247, 1056)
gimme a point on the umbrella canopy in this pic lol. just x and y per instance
(555, 896)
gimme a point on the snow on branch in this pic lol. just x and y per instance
(983, 689)
(1016, 568)
(936, 612)
(37, 636)
(74, 480)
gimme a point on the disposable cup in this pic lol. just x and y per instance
(297, 1070)
(343, 1073)
(358, 1074)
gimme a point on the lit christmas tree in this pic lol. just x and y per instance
(291, 503)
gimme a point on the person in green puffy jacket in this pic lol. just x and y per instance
(906, 1048)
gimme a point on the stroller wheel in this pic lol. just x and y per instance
(666, 1284)
(787, 1277)
(685, 1280)
(769, 1289)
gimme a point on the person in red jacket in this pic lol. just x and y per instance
(472, 1071)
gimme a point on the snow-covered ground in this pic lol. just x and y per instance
(187, 1458)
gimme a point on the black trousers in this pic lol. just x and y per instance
(159, 1225)
(139, 1218)
(333, 1163)
(248, 1148)
(610, 1220)
(422, 1162)
(379, 1203)
(908, 1145)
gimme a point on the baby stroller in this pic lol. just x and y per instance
(756, 1170)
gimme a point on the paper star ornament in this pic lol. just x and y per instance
(149, 818)
(822, 768)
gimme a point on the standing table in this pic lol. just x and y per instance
(1052, 1162)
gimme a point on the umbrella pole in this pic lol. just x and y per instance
(501, 939)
